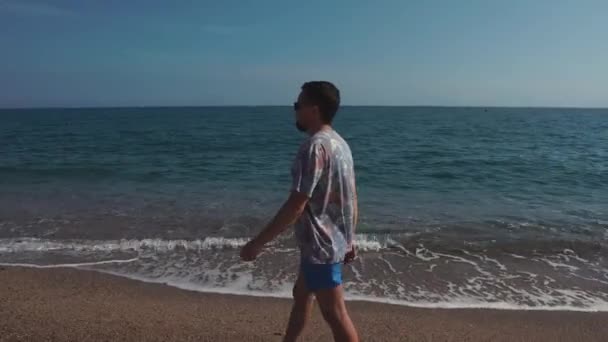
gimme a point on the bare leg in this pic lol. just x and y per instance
(333, 308)
(301, 310)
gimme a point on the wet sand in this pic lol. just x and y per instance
(75, 305)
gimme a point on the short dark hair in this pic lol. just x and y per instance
(324, 95)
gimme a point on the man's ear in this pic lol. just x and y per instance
(318, 110)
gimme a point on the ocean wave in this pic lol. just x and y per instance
(387, 271)
(42, 245)
(458, 302)
(27, 244)
(66, 265)
(368, 242)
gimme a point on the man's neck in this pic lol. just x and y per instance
(319, 128)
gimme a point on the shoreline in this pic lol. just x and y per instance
(62, 304)
(349, 298)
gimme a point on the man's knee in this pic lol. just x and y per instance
(334, 315)
(331, 304)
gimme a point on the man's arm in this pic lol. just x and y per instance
(351, 254)
(310, 166)
(287, 215)
(356, 216)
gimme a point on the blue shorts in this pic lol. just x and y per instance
(321, 276)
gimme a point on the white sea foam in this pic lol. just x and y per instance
(40, 245)
(389, 265)
(244, 284)
(517, 256)
(363, 242)
(233, 290)
(79, 264)
(368, 243)
(559, 264)
(485, 282)
(443, 302)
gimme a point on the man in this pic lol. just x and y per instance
(323, 206)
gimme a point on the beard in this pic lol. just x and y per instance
(300, 127)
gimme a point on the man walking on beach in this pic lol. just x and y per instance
(323, 208)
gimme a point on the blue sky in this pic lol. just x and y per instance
(131, 52)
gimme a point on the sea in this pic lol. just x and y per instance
(503, 208)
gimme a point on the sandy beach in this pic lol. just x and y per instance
(75, 305)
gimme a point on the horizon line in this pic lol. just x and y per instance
(279, 106)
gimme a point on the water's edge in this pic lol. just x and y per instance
(220, 291)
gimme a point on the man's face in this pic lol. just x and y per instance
(306, 113)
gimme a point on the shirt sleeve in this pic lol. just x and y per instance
(308, 170)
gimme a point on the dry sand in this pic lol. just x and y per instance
(74, 305)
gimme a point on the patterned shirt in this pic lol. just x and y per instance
(323, 170)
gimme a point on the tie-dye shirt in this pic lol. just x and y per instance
(323, 170)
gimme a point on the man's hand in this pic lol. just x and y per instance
(250, 251)
(351, 255)
(287, 215)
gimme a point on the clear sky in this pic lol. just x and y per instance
(151, 52)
